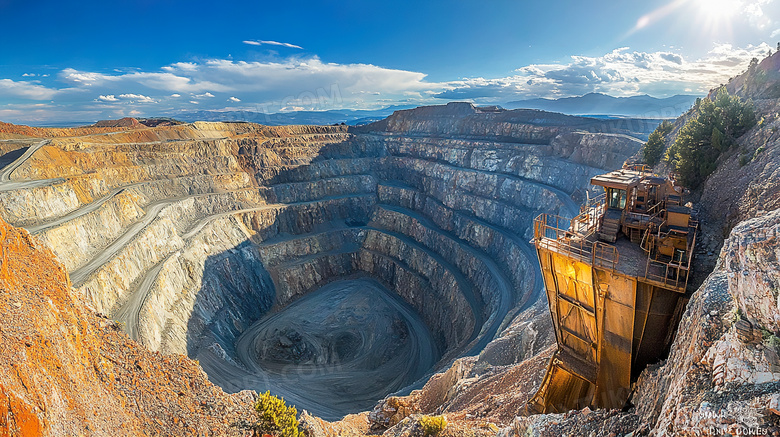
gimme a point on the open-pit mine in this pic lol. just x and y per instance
(502, 269)
(330, 265)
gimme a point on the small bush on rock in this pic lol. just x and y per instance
(275, 417)
(432, 425)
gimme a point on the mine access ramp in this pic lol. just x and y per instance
(615, 278)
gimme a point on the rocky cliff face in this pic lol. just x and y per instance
(196, 237)
(723, 372)
(66, 371)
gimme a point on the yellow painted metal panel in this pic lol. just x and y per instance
(577, 276)
(545, 261)
(678, 219)
(575, 306)
(583, 319)
(614, 378)
(561, 391)
(568, 392)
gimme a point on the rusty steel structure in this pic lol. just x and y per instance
(615, 277)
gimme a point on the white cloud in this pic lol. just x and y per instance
(234, 99)
(166, 81)
(184, 66)
(26, 90)
(34, 75)
(194, 102)
(85, 78)
(755, 13)
(620, 72)
(270, 86)
(139, 98)
(272, 43)
(108, 98)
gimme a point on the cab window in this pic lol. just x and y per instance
(616, 198)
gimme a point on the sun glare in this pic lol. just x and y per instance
(716, 18)
(718, 10)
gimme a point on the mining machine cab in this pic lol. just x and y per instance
(648, 210)
(615, 277)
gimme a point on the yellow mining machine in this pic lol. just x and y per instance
(615, 277)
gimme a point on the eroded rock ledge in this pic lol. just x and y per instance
(65, 371)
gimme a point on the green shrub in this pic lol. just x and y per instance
(432, 425)
(711, 131)
(770, 339)
(654, 148)
(275, 417)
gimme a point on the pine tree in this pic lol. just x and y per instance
(654, 148)
(714, 128)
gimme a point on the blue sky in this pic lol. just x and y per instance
(86, 60)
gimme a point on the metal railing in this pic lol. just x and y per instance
(636, 219)
(675, 272)
(605, 256)
(594, 203)
(556, 233)
(656, 209)
(667, 274)
(641, 168)
(587, 222)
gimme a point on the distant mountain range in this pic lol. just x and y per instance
(593, 104)
(642, 106)
(335, 116)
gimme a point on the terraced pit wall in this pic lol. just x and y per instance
(190, 235)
